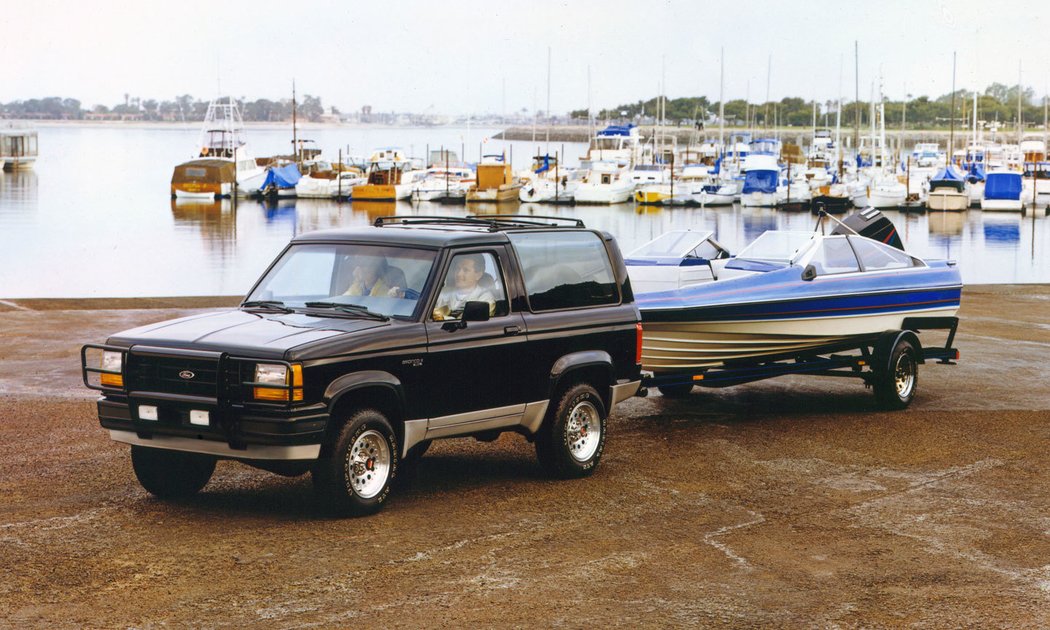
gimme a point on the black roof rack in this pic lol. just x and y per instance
(493, 222)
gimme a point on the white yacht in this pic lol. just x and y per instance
(761, 179)
(223, 138)
(444, 183)
(605, 182)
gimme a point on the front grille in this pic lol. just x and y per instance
(162, 374)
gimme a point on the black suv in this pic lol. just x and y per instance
(359, 347)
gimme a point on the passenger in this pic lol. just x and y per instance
(466, 274)
(371, 277)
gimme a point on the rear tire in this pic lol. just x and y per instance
(571, 440)
(896, 383)
(355, 480)
(171, 474)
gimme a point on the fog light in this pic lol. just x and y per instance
(147, 412)
(199, 418)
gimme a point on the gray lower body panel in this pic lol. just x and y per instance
(219, 449)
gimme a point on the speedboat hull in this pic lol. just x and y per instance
(777, 315)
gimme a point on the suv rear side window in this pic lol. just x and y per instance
(565, 269)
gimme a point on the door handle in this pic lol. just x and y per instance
(511, 330)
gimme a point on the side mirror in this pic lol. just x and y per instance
(476, 311)
(809, 272)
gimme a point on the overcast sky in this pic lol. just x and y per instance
(463, 57)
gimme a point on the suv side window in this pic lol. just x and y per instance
(565, 269)
(471, 277)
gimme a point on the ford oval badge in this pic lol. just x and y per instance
(186, 374)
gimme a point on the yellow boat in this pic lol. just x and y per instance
(496, 183)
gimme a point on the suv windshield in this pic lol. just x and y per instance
(384, 280)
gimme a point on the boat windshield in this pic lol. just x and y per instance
(778, 246)
(677, 244)
(389, 281)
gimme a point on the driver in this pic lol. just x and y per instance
(466, 273)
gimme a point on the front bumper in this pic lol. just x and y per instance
(278, 433)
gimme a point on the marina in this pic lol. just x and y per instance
(215, 247)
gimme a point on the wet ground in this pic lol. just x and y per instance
(788, 502)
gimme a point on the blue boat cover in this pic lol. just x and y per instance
(948, 174)
(1003, 186)
(718, 166)
(617, 130)
(760, 181)
(286, 176)
(976, 172)
(546, 165)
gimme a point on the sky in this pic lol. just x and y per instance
(491, 57)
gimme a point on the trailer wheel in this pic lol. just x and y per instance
(675, 391)
(895, 383)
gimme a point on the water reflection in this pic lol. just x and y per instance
(1002, 230)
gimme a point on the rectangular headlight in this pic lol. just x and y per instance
(113, 364)
(275, 374)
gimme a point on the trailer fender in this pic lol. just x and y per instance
(885, 344)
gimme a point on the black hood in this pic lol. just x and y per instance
(251, 333)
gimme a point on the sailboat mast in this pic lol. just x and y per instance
(856, 96)
(722, 101)
(838, 122)
(548, 149)
(1020, 120)
(951, 117)
(295, 138)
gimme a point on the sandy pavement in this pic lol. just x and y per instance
(791, 502)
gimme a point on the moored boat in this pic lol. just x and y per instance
(1002, 191)
(19, 148)
(495, 182)
(222, 138)
(391, 176)
(948, 191)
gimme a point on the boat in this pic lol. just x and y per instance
(546, 182)
(948, 191)
(605, 182)
(495, 181)
(1002, 191)
(761, 179)
(222, 137)
(1036, 181)
(329, 183)
(19, 148)
(616, 143)
(204, 179)
(391, 176)
(281, 181)
(887, 191)
(675, 259)
(444, 184)
(796, 294)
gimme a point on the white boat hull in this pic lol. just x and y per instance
(758, 199)
(603, 194)
(948, 200)
(1002, 205)
(685, 346)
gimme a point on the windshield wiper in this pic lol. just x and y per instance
(273, 305)
(351, 309)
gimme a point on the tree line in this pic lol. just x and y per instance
(181, 108)
(998, 102)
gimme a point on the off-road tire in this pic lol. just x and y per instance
(563, 451)
(171, 474)
(366, 445)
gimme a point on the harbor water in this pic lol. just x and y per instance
(94, 218)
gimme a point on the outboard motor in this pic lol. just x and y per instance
(872, 224)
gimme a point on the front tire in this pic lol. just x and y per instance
(571, 441)
(895, 385)
(356, 478)
(171, 474)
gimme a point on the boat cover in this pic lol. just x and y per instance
(948, 178)
(546, 165)
(760, 181)
(286, 176)
(616, 130)
(1003, 186)
(976, 173)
